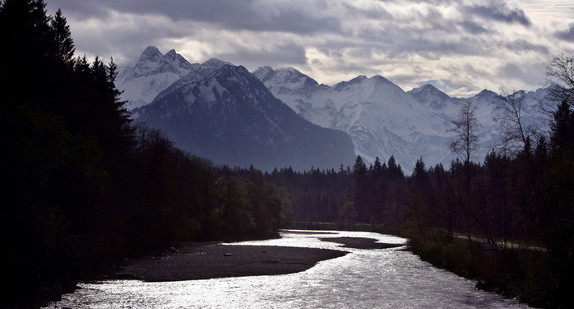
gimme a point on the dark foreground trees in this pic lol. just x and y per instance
(82, 188)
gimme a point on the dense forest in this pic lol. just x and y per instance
(507, 222)
(83, 188)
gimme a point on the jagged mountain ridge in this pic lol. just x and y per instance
(379, 116)
(224, 113)
(431, 96)
(384, 120)
(151, 74)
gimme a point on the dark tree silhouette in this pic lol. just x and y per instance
(63, 44)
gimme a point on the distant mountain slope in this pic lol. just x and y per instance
(488, 110)
(224, 113)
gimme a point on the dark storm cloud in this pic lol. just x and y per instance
(434, 49)
(473, 27)
(527, 73)
(376, 13)
(511, 70)
(437, 2)
(520, 46)
(444, 40)
(238, 14)
(284, 54)
(500, 13)
(78, 8)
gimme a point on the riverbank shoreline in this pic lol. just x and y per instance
(515, 273)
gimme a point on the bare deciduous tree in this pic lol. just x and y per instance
(465, 128)
(560, 81)
(515, 132)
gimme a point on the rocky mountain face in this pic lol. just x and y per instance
(152, 73)
(384, 120)
(222, 112)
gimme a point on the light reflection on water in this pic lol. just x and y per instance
(382, 278)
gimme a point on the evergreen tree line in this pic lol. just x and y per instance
(83, 188)
(524, 199)
(347, 196)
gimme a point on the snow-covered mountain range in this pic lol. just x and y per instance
(380, 118)
(222, 112)
(384, 120)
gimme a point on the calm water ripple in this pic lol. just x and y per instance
(382, 278)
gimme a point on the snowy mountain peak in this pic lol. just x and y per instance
(288, 82)
(223, 112)
(196, 72)
(151, 53)
(214, 63)
(429, 90)
(284, 76)
(215, 79)
(430, 96)
(264, 73)
(369, 86)
(237, 76)
(357, 80)
(294, 77)
(178, 60)
(171, 54)
(152, 62)
(379, 78)
(486, 94)
(152, 73)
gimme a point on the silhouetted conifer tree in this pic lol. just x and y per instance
(63, 44)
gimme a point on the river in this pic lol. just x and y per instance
(381, 278)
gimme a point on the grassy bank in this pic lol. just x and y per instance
(515, 273)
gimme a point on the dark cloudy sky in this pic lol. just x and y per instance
(460, 46)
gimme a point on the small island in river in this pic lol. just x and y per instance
(213, 260)
(361, 243)
(190, 261)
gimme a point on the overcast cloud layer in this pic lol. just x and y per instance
(460, 46)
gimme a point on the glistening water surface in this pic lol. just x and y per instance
(379, 278)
